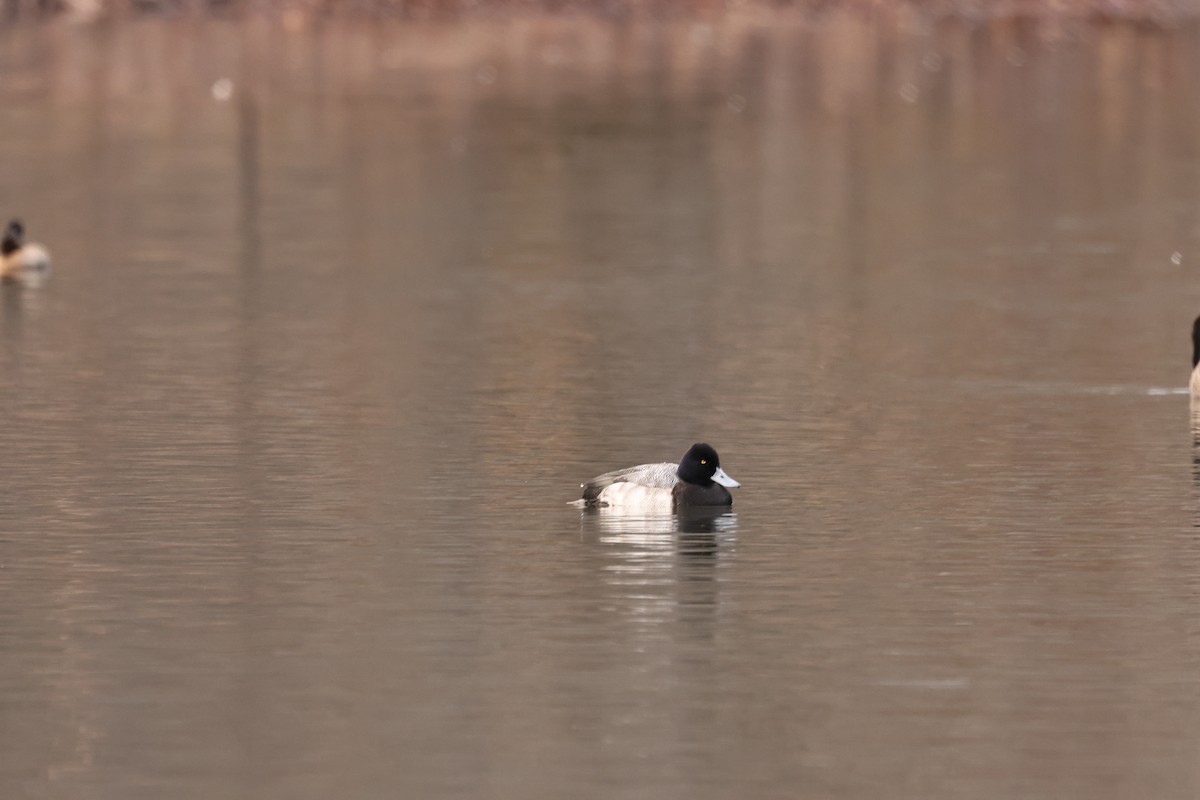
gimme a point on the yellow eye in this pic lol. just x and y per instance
(703, 461)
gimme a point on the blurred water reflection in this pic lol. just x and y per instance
(666, 564)
(342, 315)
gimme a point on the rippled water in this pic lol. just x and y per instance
(289, 438)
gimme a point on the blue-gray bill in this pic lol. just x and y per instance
(722, 478)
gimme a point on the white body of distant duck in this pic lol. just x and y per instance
(22, 262)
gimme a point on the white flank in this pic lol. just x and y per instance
(632, 495)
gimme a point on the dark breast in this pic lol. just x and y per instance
(690, 494)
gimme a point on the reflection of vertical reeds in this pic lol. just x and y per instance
(812, 141)
(248, 180)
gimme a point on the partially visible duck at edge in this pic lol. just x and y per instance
(21, 262)
(696, 481)
(1195, 382)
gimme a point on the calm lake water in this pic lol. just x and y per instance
(342, 315)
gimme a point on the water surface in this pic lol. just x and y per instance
(289, 438)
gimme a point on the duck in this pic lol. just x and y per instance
(1194, 385)
(697, 481)
(21, 262)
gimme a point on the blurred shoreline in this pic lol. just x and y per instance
(1148, 13)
